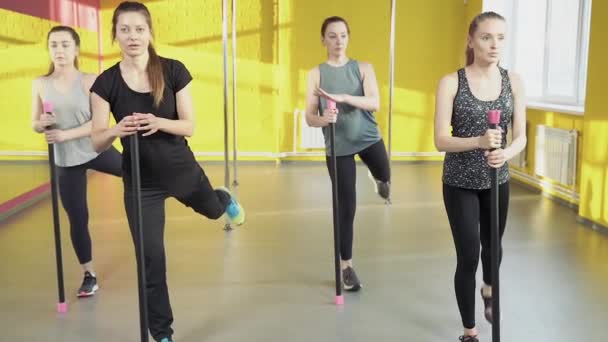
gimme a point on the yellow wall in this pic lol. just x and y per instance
(278, 44)
(594, 180)
(277, 47)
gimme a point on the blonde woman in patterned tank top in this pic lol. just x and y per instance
(463, 99)
(68, 128)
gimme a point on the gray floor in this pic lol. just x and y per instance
(272, 280)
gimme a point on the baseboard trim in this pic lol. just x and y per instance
(559, 193)
(592, 225)
(24, 201)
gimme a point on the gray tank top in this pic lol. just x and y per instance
(356, 129)
(72, 109)
(470, 169)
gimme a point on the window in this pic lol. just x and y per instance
(547, 44)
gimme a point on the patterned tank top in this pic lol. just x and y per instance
(470, 169)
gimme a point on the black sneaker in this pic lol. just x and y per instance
(487, 308)
(383, 189)
(89, 285)
(468, 339)
(350, 280)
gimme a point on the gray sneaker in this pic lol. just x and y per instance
(383, 189)
(89, 286)
(350, 280)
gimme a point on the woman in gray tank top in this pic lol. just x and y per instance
(352, 85)
(463, 100)
(68, 128)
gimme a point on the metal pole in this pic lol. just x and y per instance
(225, 55)
(391, 81)
(234, 85)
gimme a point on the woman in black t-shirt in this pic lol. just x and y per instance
(149, 95)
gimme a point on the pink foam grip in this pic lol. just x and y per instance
(47, 107)
(331, 104)
(494, 117)
(62, 307)
(340, 300)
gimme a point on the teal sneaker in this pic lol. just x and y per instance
(235, 212)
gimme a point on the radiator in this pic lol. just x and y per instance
(556, 154)
(310, 137)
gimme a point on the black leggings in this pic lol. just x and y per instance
(376, 159)
(73, 193)
(204, 200)
(469, 215)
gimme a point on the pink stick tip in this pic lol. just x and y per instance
(62, 307)
(494, 117)
(47, 107)
(331, 104)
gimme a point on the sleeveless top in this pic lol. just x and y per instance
(356, 129)
(71, 109)
(470, 169)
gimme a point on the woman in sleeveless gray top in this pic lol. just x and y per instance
(352, 85)
(68, 128)
(463, 100)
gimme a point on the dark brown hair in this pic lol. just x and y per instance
(72, 33)
(469, 53)
(154, 69)
(332, 20)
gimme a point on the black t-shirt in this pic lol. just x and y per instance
(165, 159)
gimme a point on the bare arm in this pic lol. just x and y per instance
(519, 118)
(101, 134)
(370, 101)
(83, 130)
(444, 141)
(39, 120)
(313, 118)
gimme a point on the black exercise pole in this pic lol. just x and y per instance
(331, 105)
(494, 120)
(62, 306)
(139, 237)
